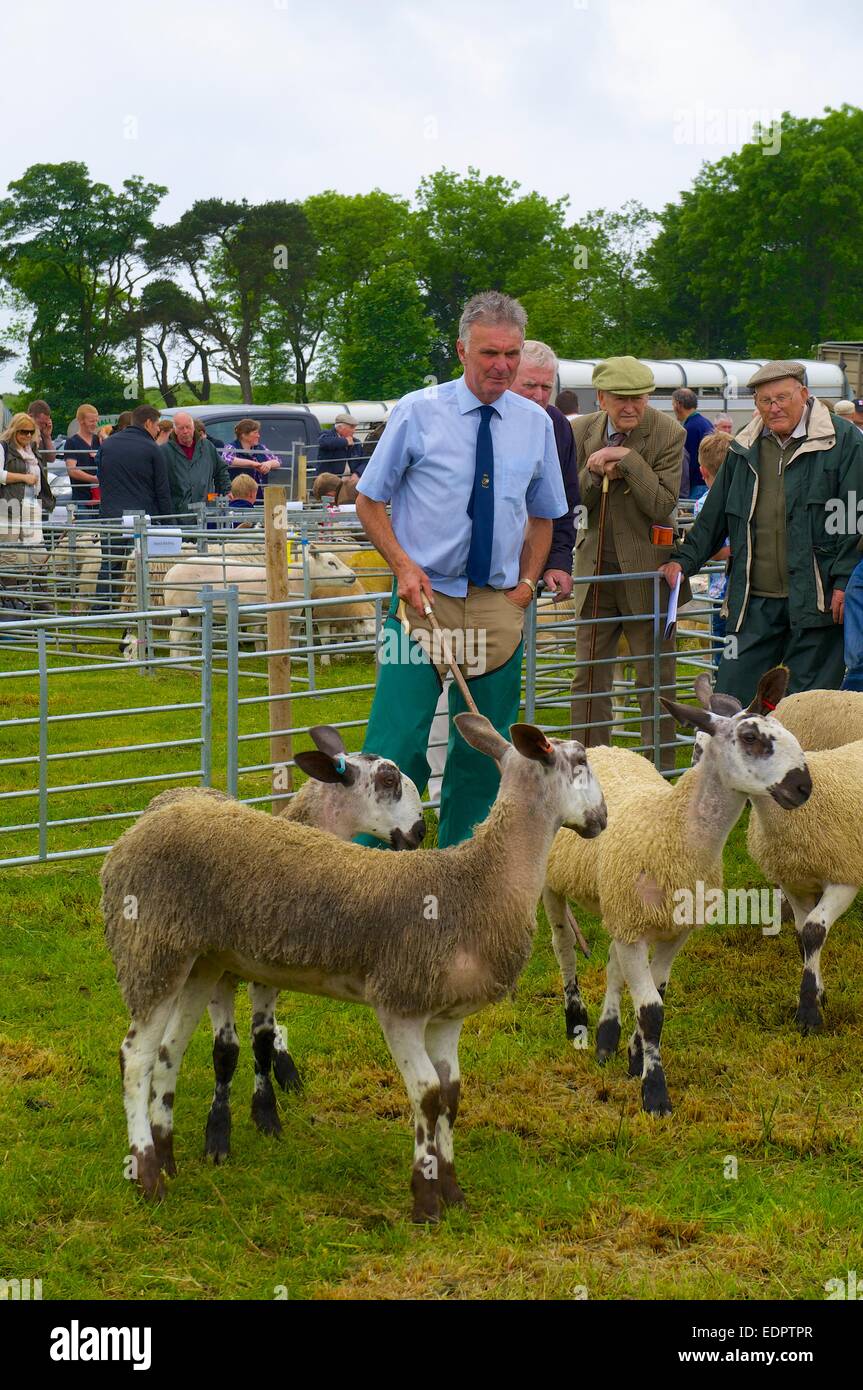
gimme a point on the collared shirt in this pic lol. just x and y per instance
(425, 462)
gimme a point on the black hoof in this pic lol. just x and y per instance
(808, 1018)
(265, 1116)
(654, 1096)
(217, 1140)
(285, 1072)
(636, 1060)
(607, 1039)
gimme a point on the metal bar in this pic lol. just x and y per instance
(233, 692)
(43, 745)
(207, 686)
(530, 662)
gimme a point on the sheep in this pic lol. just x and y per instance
(661, 842)
(424, 939)
(818, 719)
(78, 557)
(340, 622)
(348, 794)
(183, 581)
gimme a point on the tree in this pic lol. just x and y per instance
(389, 337)
(241, 260)
(471, 234)
(71, 250)
(168, 319)
(762, 256)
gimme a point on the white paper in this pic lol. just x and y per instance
(164, 540)
(129, 521)
(671, 619)
(59, 516)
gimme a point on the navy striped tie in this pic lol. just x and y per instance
(480, 508)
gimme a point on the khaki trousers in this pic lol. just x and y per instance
(613, 605)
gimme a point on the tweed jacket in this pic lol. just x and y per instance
(645, 496)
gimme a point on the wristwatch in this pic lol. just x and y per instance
(530, 583)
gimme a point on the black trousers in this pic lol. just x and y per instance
(815, 656)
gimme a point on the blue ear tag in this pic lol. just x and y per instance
(339, 764)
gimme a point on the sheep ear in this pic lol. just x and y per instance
(328, 739)
(727, 705)
(771, 688)
(323, 768)
(693, 715)
(531, 742)
(481, 734)
(703, 690)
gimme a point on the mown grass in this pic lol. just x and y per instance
(570, 1187)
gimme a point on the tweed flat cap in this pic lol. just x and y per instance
(343, 418)
(776, 371)
(624, 376)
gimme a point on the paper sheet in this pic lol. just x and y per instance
(671, 619)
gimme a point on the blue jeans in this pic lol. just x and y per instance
(854, 631)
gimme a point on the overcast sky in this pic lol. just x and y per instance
(603, 100)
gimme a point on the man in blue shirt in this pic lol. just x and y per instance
(472, 472)
(684, 403)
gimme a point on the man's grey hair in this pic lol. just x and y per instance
(493, 308)
(685, 398)
(540, 354)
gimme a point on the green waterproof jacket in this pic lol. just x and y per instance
(192, 479)
(823, 482)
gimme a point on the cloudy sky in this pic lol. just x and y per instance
(602, 100)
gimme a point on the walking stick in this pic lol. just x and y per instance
(462, 684)
(603, 506)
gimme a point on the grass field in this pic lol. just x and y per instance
(572, 1192)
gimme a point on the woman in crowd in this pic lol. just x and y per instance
(249, 455)
(24, 491)
(80, 453)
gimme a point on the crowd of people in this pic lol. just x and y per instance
(472, 493)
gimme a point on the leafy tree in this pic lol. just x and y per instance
(471, 234)
(389, 337)
(241, 259)
(762, 256)
(70, 250)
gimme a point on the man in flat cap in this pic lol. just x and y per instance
(338, 447)
(640, 451)
(786, 498)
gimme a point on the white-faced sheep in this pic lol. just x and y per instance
(323, 917)
(663, 840)
(817, 859)
(348, 794)
(183, 582)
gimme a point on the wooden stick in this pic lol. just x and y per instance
(471, 704)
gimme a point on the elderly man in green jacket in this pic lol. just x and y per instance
(786, 498)
(195, 468)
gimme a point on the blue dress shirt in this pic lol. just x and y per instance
(424, 464)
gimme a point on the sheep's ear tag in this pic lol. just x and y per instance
(339, 764)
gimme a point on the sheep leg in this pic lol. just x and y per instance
(836, 899)
(405, 1038)
(608, 1029)
(575, 1014)
(649, 1013)
(186, 1013)
(660, 969)
(226, 1049)
(264, 1113)
(442, 1037)
(138, 1052)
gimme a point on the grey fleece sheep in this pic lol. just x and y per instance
(424, 939)
(347, 794)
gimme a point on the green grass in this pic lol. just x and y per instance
(569, 1185)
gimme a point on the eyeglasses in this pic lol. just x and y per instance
(28, 433)
(765, 402)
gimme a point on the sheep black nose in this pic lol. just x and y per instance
(594, 824)
(794, 788)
